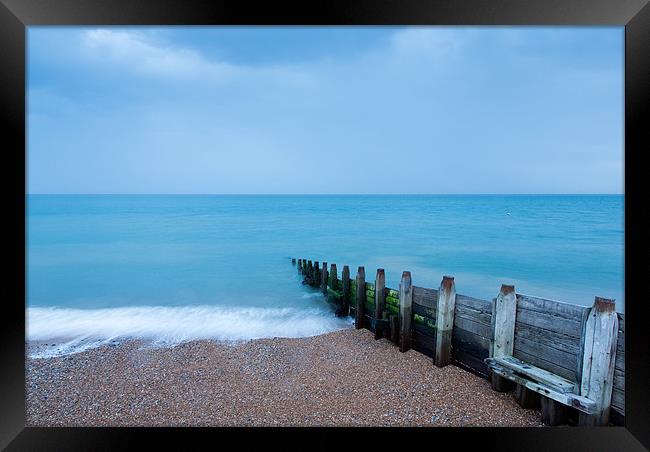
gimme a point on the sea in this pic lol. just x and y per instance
(172, 268)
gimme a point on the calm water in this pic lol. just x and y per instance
(171, 268)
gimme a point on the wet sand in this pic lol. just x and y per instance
(344, 378)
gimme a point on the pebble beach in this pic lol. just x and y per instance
(343, 378)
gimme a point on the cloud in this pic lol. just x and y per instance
(144, 55)
(427, 42)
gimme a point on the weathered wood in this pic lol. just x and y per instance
(474, 344)
(345, 288)
(310, 270)
(618, 400)
(576, 401)
(470, 363)
(527, 398)
(361, 298)
(548, 338)
(390, 300)
(394, 329)
(324, 278)
(423, 343)
(551, 307)
(570, 327)
(466, 324)
(553, 412)
(315, 275)
(541, 350)
(333, 278)
(425, 297)
(380, 285)
(405, 311)
(546, 365)
(392, 293)
(293, 261)
(472, 314)
(504, 311)
(445, 320)
(424, 312)
(477, 304)
(598, 355)
(299, 265)
(500, 383)
(533, 373)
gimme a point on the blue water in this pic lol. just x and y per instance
(181, 267)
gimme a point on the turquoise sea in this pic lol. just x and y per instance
(174, 268)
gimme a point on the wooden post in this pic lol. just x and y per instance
(299, 265)
(315, 279)
(394, 329)
(380, 298)
(361, 297)
(527, 398)
(553, 412)
(333, 278)
(323, 278)
(345, 277)
(599, 334)
(445, 320)
(405, 311)
(310, 270)
(293, 261)
(504, 312)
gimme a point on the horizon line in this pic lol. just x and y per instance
(324, 194)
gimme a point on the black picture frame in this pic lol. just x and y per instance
(16, 15)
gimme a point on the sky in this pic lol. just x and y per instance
(325, 110)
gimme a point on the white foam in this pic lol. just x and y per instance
(81, 329)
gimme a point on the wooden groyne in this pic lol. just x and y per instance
(565, 359)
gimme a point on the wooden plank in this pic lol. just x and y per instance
(581, 403)
(504, 310)
(561, 358)
(424, 329)
(471, 343)
(620, 360)
(618, 400)
(474, 327)
(469, 362)
(445, 320)
(549, 338)
(425, 297)
(474, 303)
(405, 311)
(360, 299)
(392, 301)
(423, 343)
(380, 295)
(533, 373)
(550, 322)
(423, 311)
(600, 334)
(552, 307)
(392, 293)
(473, 314)
(619, 380)
(546, 365)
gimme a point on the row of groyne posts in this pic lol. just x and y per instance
(564, 359)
